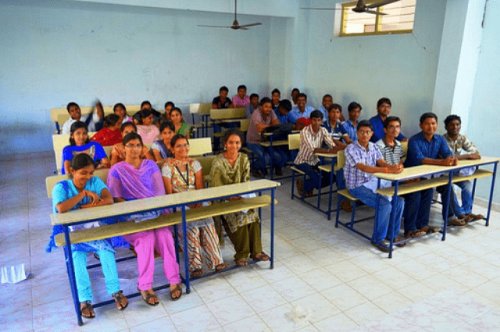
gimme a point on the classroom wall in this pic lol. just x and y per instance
(484, 112)
(57, 51)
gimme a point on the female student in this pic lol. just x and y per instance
(80, 143)
(118, 151)
(137, 178)
(180, 174)
(120, 110)
(110, 134)
(81, 191)
(148, 131)
(181, 127)
(161, 148)
(243, 228)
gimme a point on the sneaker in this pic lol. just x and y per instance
(456, 222)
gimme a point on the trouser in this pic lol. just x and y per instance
(144, 245)
(246, 239)
(417, 210)
(262, 157)
(83, 285)
(387, 220)
(203, 237)
(455, 208)
(313, 175)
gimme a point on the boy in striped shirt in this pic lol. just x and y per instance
(389, 146)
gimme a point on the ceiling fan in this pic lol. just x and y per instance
(362, 7)
(236, 25)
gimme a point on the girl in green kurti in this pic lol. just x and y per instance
(243, 227)
(181, 127)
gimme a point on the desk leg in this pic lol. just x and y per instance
(272, 227)
(186, 249)
(491, 193)
(71, 275)
(320, 181)
(271, 171)
(446, 204)
(392, 219)
(330, 194)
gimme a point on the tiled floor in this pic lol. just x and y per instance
(325, 279)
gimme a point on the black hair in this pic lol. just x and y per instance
(383, 100)
(70, 104)
(352, 106)
(131, 136)
(390, 119)
(316, 114)
(327, 95)
(286, 104)
(275, 91)
(177, 109)
(450, 118)
(74, 127)
(127, 124)
(176, 138)
(302, 95)
(230, 133)
(335, 107)
(254, 95)
(167, 124)
(119, 105)
(364, 123)
(81, 160)
(169, 103)
(223, 88)
(137, 117)
(428, 115)
(145, 113)
(265, 100)
(146, 102)
(111, 120)
(242, 86)
(295, 89)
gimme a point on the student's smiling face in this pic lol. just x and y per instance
(80, 136)
(393, 129)
(327, 102)
(266, 109)
(453, 128)
(181, 148)
(429, 126)
(233, 144)
(167, 135)
(120, 111)
(128, 130)
(176, 117)
(82, 176)
(384, 109)
(276, 98)
(364, 135)
(75, 113)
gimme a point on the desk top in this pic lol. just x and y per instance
(275, 143)
(326, 155)
(424, 170)
(160, 202)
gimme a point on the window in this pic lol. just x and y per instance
(399, 17)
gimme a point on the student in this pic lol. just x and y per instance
(162, 148)
(334, 125)
(76, 115)
(301, 110)
(81, 191)
(312, 138)
(222, 101)
(118, 151)
(295, 95)
(169, 106)
(181, 174)
(384, 106)
(146, 105)
(389, 146)
(351, 124)
(463, 149)
(137, 178)
(243, 228)
(181, 126)
(120, 110)
(241, 99)
(425, 148)
(275, 98)
(260, 120)
(285, 106)
(80, 143)
(148, 131)
(362, 159)
(110, 134)
(254, 104)
(326, 102)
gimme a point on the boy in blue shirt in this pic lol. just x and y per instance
(351, 124)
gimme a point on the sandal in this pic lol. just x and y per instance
(196, 273)
(176, 290)
(415, 234)
(149, 297)
(241, 262)
(261, 257)
(221, 267)
(120, 300)
(87, 310)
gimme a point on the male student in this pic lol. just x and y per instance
(362, 159)
(312, 137)
(425, 148)
(294, 95)
(284, 107)
(261, 119)
(222, 101)
(254, 104)
(384, 106)
(334, 126)
(275, 98)
(326, 102)
(75, 114)
(241, 99)
(351, 124)
(389, 146)
(302, 110)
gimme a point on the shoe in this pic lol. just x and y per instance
(381, 246)
(278, 171)
(300, 187)
(346, 206)
(399, 241)
(456, 222)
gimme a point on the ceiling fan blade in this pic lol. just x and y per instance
(250, 25)
(214, 26)
(318, 8)
(381, 3)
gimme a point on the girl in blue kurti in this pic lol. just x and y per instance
(80, 143)
(83, 190)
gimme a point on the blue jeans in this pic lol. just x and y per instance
(466, 194)
(383, 228)
(83, 285)
(417, 210)
(312, 177)
(262, 158)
